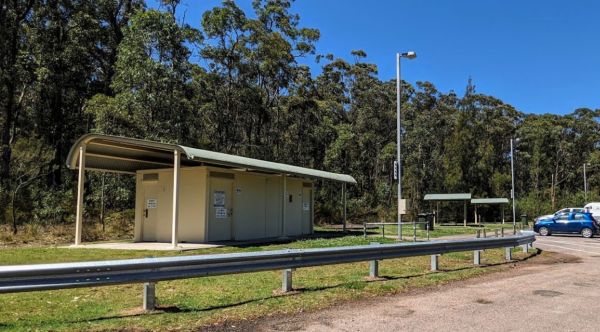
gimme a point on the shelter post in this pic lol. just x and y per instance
(283, 204)
(312, 208)
(344, 206)
(476, 214)
(465, 214)
(80, 183)
(503, 215)
(175, 220)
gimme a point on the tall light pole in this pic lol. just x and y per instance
(408, 55)
(512, 193)
(584, 184)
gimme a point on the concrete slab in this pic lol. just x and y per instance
(144, 246)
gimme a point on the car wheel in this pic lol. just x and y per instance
(544, 231)
(587, 233)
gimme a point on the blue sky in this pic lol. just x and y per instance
(540, 56)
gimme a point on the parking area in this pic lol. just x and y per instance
(560, 294)
(570, 244)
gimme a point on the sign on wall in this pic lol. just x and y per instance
(306, 206)
(220, 213)
(151, 203)
(219, 198)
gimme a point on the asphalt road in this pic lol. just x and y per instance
(536, 297)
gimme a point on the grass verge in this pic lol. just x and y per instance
(193, 303)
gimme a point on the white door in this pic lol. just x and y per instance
(306, 209)
(149, 211)
(220, 209)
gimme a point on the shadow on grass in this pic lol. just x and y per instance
(173, 309)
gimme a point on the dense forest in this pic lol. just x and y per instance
(239, 84)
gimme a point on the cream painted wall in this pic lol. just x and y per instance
(293, 209)
(192, 205)
(273, 210)
(257, 211)
(250, 205)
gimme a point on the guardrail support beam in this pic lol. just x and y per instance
(374, 269)
(434, 262)
(508, 253)
(149, 296)
(286, 285)
(477, 257)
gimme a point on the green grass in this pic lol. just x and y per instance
(192, 303)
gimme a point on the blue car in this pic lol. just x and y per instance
(567, 223)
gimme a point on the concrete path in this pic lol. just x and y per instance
(539, 297)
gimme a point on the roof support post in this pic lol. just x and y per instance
(175, 220)
(476, 215)
(502, 214)
(312, 208)
(283, 204)
(465, 214)
(344, 206)
(80, 183)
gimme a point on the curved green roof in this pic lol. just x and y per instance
(128, 155)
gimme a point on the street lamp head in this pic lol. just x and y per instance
(409, 55)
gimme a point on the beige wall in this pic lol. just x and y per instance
(293, 209)
(192, 205)
(257, 205)
(273, 211)
(250, 205)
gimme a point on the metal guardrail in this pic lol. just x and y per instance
(38, 277)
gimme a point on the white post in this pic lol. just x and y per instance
(584, 184)
(312, 209)
(476, 215)
(512, 193)
(176, 164)
(283, 205)
(398, 137)
(465, 214)
(344, 205)
(80, 183)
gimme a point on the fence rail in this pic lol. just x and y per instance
(22, 278)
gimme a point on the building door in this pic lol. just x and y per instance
(306, 209)
(150, 211)
(220, 209)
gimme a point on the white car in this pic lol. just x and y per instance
(594, 209)
(565, 210)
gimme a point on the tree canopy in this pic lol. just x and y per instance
(236, 85)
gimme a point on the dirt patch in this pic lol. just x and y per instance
(294, 322)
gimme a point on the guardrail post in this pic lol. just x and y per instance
(374, 269)
(374, 265)
(427, 231)
(383, 231)
(477, 257)
(286, 285)
(496, 232)
(365, 229)
(434, 262)
(149, 296)
(508, 253)
(502, 231)
(478, 234)
(484, 234)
